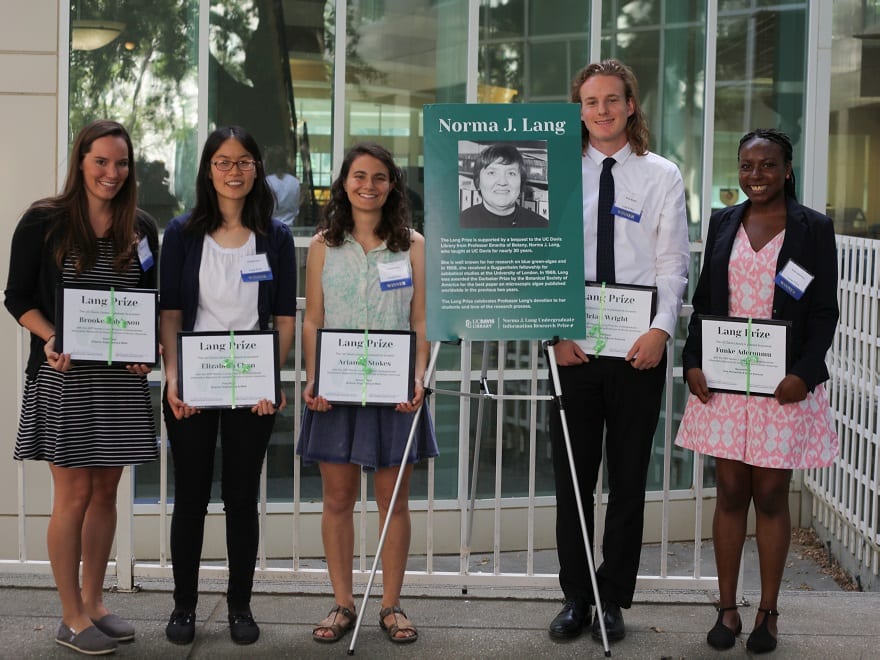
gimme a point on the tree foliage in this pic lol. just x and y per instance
(140, 78)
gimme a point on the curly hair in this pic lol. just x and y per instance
(781, 140)
(636, 125)
(394, 227)
(75, 235)
(259, 203)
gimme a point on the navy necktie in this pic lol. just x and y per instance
(605, 226)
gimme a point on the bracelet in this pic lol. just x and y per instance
(49, 337)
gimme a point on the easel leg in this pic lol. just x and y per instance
(557, 389)
(484, 390)
(412, 434)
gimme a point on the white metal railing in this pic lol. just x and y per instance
(845, 495)
(518, 369)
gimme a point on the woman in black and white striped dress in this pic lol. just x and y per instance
(86, 421)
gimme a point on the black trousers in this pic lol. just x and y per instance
(609, 398)
(244, 438)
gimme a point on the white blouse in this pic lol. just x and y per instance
(226, 301)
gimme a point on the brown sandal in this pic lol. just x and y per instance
(394, 628)
(338, 629)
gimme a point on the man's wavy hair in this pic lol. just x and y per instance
(636, 126)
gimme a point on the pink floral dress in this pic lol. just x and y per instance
(756, 429)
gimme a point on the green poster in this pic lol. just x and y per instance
(503, 221)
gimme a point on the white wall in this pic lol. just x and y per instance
(29, 125)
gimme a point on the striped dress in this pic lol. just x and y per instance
(92, 415)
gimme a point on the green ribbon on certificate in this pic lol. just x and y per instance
(365, 365)
(749, 358)
(112, 321)
(596, 329)
(229, 363)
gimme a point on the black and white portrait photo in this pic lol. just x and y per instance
(503, 185)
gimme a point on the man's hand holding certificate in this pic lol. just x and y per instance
(617, 315)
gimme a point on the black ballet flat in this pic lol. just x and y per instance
(761, 640)
(721, 637)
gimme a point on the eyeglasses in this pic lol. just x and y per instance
(226, 165)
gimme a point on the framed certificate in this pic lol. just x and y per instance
(745, 356)
(617, 315)
(365, 367)
(228, 369)
(110, 325)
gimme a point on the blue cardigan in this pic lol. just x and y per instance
(809, 240)
(182, 258)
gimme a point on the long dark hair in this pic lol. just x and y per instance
(784, 143)
(76, 234)
(394, 228)
(259, 203)
(636, 125)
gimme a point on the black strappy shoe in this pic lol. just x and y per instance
(761, 640)
(721, 637)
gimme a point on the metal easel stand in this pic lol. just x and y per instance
(412, 433)
(484, 394)
(549, 347)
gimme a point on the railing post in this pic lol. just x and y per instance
(124, 532)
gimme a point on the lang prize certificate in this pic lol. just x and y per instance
(365, 367)
(744, 356)
(110, 325)
(228, 369)
(617, 315)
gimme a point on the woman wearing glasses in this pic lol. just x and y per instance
(204, 286)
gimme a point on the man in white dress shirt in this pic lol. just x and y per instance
(285, 186)
(618, 400)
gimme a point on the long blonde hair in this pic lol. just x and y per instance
(636, 126)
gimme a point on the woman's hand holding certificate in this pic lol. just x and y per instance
(744, 355)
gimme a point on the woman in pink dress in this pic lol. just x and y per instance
(767, 258)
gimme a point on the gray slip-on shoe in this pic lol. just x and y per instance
(90, 641)
(115, 627)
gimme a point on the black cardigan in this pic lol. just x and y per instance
(809, 241)
(34, 274)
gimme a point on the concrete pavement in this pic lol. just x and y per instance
(820, 625)
(818, 620)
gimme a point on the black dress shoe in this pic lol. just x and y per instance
(614, 627)
(242, 628)
(181, 628)
(571, 620)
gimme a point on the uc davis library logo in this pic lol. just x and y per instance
(479, 324)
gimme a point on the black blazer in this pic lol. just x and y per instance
(809, 241)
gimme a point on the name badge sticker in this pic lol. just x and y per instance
(255, 268)
(394, 275)
(628, 205)
(145, 254)
(793, 279)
